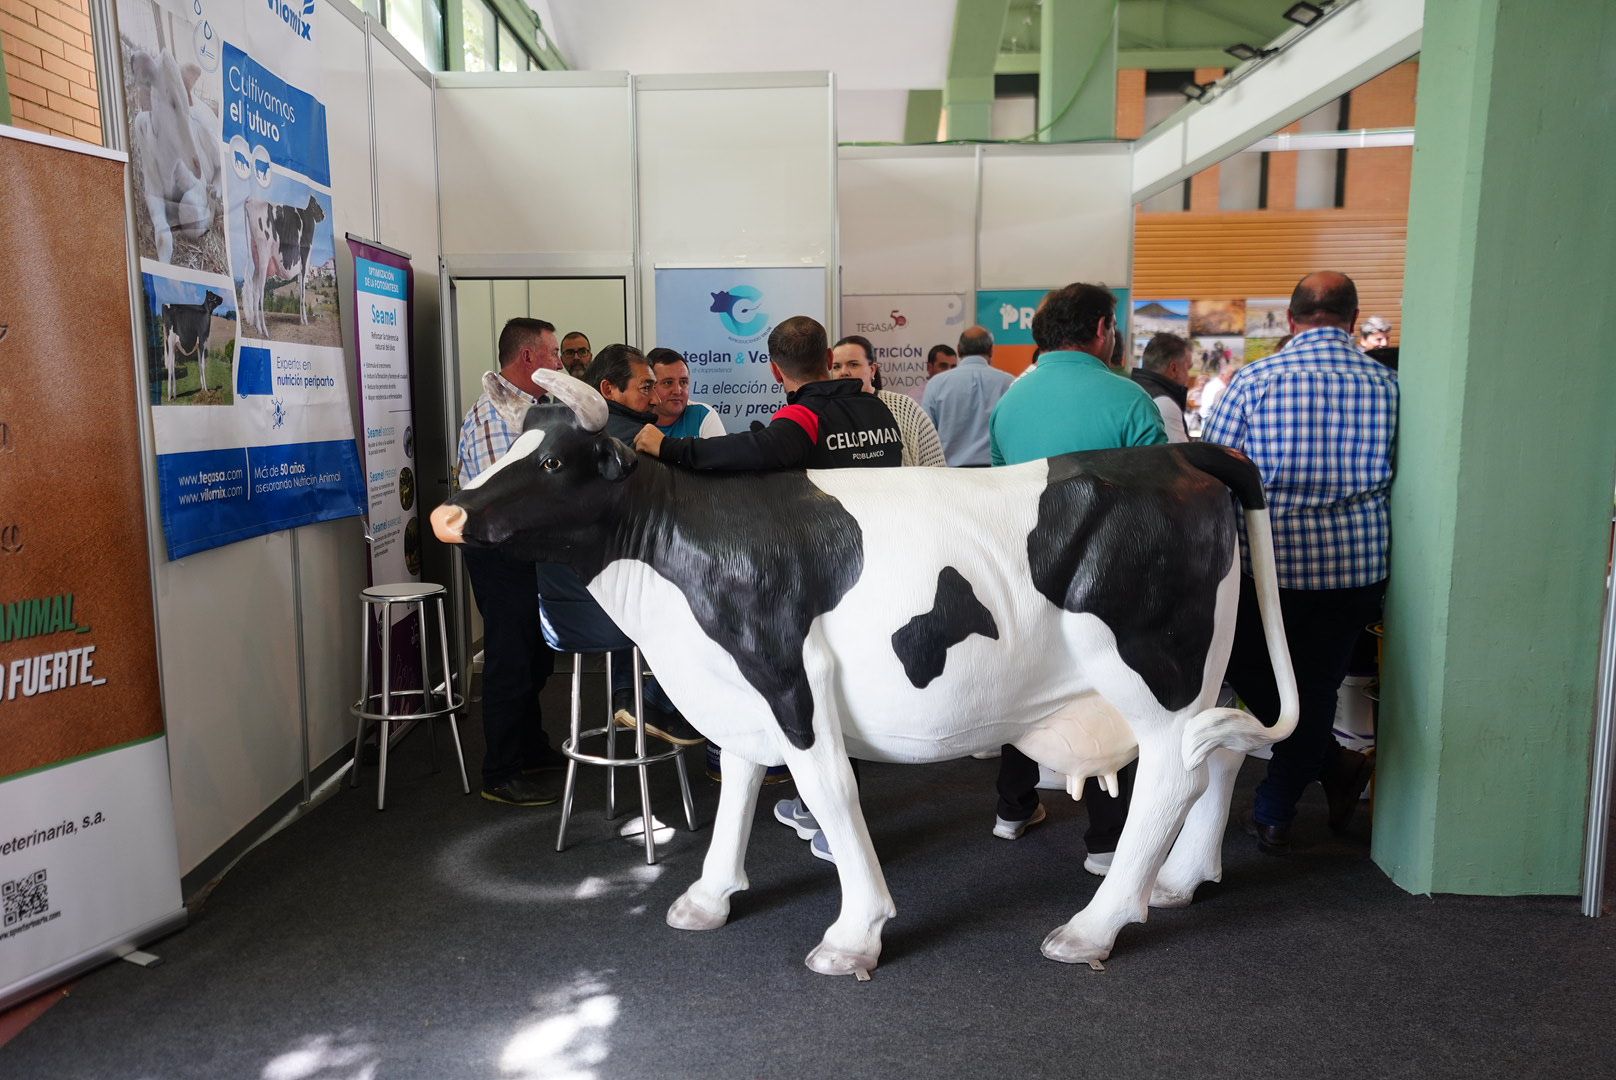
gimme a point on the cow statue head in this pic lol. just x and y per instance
(556, 483)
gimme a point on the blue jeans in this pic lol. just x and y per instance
(1321, 627)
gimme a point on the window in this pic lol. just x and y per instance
(478, 27)
(511, 54)
(418, 26)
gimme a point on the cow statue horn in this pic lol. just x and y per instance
(577, 395)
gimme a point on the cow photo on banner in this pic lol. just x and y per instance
(233, 225)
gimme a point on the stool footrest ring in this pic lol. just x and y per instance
(616, 762)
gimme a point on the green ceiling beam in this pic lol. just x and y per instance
(1077, 72)
(972, 56)
(921, 117)
(1168, 35)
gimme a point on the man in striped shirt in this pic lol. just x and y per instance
(516, 661)
(1319, 419)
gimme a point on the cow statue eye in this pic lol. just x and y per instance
(550, 464)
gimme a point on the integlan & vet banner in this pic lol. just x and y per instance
(88, 861)
(720, 319)
(233, 225)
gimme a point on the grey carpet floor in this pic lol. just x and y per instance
(447, 938)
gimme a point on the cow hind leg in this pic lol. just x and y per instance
(1162, 795)
(705, 905)
(1197, 854)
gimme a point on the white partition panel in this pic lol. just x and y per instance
(227, 617)
(735, 170)
(1056, 214)
(537, 163)
(908, 219)
(402, 101)
(230, 688)
(331, 555)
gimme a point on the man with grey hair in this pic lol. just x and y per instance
(960, 401)
(1164, 373)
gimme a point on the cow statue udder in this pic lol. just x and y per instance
(1080, 607)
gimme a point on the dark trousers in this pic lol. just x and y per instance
(623, 681)
(516, 662)
(1018, 798)
(1321, 627)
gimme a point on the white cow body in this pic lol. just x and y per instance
(1047, 679)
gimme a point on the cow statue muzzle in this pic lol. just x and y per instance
(586, 403)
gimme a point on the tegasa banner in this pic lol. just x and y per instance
(903, 330)
(88, 862)
(231, 174)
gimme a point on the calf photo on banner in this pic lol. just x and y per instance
(720, 319)
(88, 862)
(903, 330)
(233, 225)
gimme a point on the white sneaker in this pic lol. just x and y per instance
(1098, 863)
(1012, 830)
(793, 814)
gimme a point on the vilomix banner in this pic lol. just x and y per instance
(720, 319)
(88, 862)
(903, 329)
(233, 225)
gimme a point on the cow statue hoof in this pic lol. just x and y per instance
(829, 960)
(687, 914)
(1166, 898)
(1069, 946)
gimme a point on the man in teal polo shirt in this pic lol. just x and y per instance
(1071, 401)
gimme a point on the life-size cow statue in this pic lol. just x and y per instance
(1080, 607)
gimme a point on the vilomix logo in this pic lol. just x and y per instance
(300, 23)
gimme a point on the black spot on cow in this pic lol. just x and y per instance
(922, 643)
(758, 556)
(1140, 539)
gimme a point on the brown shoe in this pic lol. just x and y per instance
(1271, 839)
(1344, 782)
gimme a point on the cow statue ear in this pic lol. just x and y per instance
(511, 405)
(614, 458)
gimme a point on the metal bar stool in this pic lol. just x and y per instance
(574, 623)
(377, 609)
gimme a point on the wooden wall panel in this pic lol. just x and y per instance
(1227, 255)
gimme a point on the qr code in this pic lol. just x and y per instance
(24, 898)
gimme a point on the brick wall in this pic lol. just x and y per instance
(50, 69)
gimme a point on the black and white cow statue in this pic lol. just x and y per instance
(1080, 607)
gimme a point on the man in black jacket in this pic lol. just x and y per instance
(624, 378)
(826, 424)
(1164, 373)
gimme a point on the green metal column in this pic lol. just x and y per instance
(1501, 507)
(968, 94)
(1077, 70)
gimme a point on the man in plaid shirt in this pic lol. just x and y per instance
(1319, 419)
(516, 661)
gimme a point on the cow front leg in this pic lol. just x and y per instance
(1162, 795)
(1197, 854)
(705, 905)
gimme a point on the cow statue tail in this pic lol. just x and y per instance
(1235, 729)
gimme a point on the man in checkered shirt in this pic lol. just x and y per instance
(1319, 419)
(516, 661)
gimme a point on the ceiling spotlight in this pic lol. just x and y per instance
(1304, 14)
(1195, 91)
(1243, 51)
